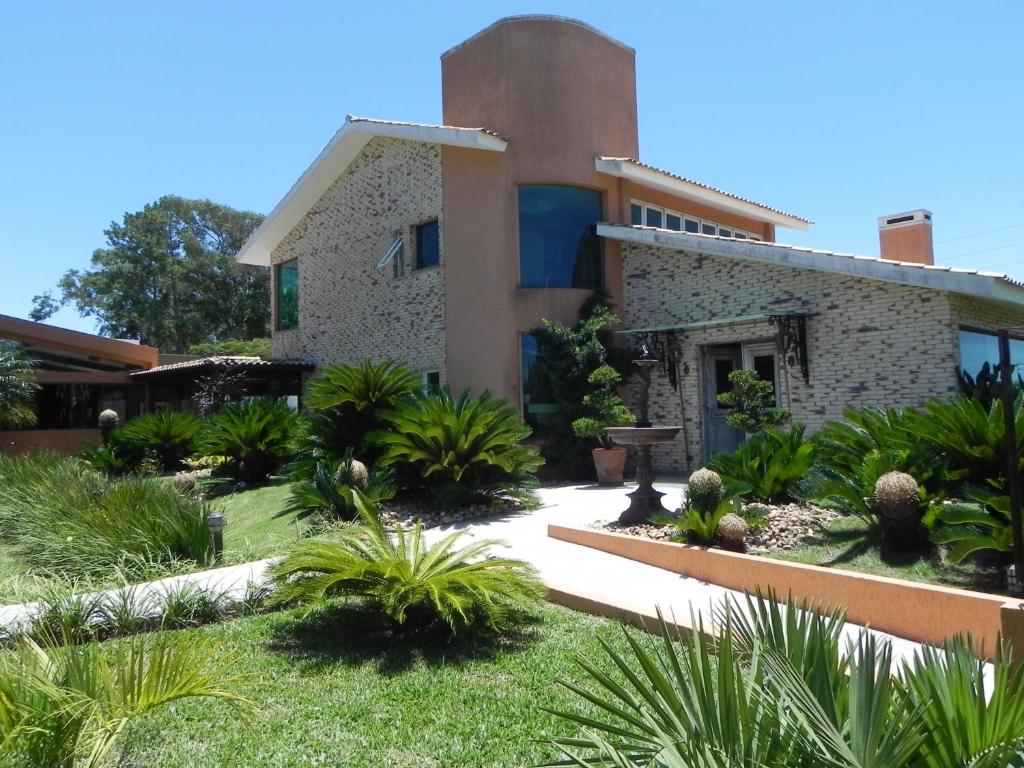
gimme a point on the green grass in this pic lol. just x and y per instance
(343, 692)
(847, 543)
(256, 529)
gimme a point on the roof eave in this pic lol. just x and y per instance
(985, 286)
(332, 161)
(625, 169)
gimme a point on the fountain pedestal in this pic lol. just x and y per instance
(644, 501)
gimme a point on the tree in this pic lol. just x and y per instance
(168, 277)
(17, 387)
(751, 403)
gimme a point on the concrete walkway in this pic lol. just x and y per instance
(598, 581)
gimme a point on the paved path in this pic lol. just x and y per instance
(567, 568)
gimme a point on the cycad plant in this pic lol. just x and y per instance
(169, 435)
(778, 687)
(332, 499)
(62, 707)
(463, 450)
(413, 584)
(255, 436)
(17, 387)
(346, 402)
(769, 463)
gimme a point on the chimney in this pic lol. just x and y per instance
(907, 237)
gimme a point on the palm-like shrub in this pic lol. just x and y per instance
(330, 497)
(169, 435)
(62, 707)
(769, 464)
(347, 400)
(412, 584)
(464, 450)
(849, 491)
(62, 517)
(777, 687)
(17, 387)
(254, 435)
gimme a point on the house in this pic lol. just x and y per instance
(443, 245)
(79, 375)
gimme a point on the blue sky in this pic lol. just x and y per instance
(837, 112)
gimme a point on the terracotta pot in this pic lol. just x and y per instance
(610, 464)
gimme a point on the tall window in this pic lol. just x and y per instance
(539, 408)
(428, 245)
(558, 242)
(287, 298)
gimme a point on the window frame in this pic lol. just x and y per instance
(278, 326)
(701, 224)
(417, 241)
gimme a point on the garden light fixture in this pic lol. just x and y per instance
(216, 522)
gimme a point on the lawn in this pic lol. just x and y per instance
(256, 527)
(848, 543)
(346, 693)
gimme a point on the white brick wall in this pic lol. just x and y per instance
(350, 310)
(869, 343)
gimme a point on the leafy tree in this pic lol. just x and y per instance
(17, 387)
(751, 403)
(168, 277)
(233, 347)
(605, 407)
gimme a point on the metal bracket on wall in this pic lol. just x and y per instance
(791, 336)
(665, 346)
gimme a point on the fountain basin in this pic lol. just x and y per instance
(645, 501)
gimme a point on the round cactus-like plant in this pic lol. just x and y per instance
(107, 423)
(895, 501)
(704, 490)
(732, 530)
(352, 473)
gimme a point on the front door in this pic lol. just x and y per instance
(719, 362)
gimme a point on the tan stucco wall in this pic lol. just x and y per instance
(350, 310)
(869, 343)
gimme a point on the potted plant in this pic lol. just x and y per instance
(606, 409)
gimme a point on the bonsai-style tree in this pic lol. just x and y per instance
(603, 405)
(751, 403)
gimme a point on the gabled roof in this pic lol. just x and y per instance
(649, 176)
(969, 282)
(332, 162)
(236, 362)
(75, 342)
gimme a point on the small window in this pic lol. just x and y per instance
(707, 228)
(396, 255)
(691, 225)
(287, 294)
(636, 213)
(673, 222)
(432, 381)
(428, 245)
(653, 217)
(723, 232)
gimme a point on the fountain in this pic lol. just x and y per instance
(644, 501)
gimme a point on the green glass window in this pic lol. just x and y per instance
(428, 245)
(287, 299)
(978, 348)
(539, 408)
(558, 242)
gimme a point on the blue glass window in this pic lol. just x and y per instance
(636, 213)
(558, 242)
(428, 245)
(287, 298)
(539, 408)
(977, 348)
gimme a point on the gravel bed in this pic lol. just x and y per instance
(407, 512)
(785, 526)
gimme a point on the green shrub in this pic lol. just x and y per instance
(18, 387)
(603, 407)
(698, 522)
(751, 403)
(331, 498)
(964, 528)
(346, 402)
(412, 584)
(769, 464)
(62, 517)
(463, 450)
(849, 491)
(777, 686)
(66, 706)
(254, 435)
(169, 435)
